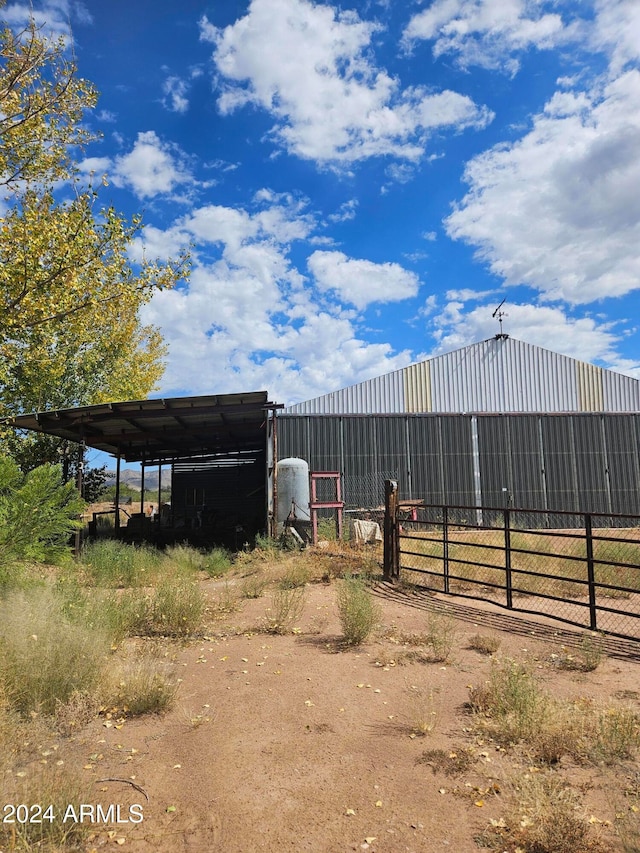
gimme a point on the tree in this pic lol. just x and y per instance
(70, 297)
(38, 513)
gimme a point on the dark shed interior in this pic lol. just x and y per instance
(221, 449)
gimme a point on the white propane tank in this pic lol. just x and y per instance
(293, 490)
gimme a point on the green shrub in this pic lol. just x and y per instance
(38, 514)
(184, 559)
(359, 613)
(216, 562)
(513, 700)
(177, 607)
(111, 563)
(297, 574)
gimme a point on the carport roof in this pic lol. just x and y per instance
(155, 431)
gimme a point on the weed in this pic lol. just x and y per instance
(143, 686)
(440, 636)
(615, 735)
(514, 709)
(217, 562)
(176, 608)
(184, 559)
(287, 605)
(80, 708)
(451, 762)
(110, 563)
(253, 586)
(297, 574)
(484, 643)
(54, 788)
(44, 657)
(227, 599)
(587, 658)
(545, 817)
(267, 546)
(512, 700)
(423, 710)
(359, 613)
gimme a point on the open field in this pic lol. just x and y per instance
(447, 728)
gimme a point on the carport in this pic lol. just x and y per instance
(222, 450)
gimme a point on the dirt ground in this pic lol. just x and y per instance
(294, 742)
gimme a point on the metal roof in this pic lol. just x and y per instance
(501, 374)
(161, 430)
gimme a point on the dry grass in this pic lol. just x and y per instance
(287, 604)
(544, 816)
(436, 644)
(587, 657)
(485, 644)
(423, 709)
(45, 657)
(512, 708)
(144, 685)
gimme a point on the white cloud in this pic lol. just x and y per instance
(617, 31)
(487, 32)
(361, 282)
(151, 168)
(559, 210)
(332, 104)
(53, 17)
(175, 91)
(247, 318)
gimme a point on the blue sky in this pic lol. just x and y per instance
(363, 184)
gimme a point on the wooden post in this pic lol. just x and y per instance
(391, 561)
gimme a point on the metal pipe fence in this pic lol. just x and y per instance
(581, 568)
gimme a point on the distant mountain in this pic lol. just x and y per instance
(132, 478)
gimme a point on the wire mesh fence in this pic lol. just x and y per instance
(580, 568)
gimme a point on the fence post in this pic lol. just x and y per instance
(507, 558)
(591, 575)
(445, 549)
(391, 554)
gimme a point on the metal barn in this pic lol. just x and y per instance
(497, 423)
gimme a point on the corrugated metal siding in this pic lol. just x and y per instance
(496, 375)
(565, 462)
(381, 394)
(494, 445)
(620, 393)
(623, 462)
(424, 435)
(591, 467)
(417, 387)
(590, 390)
(560, 466)
(503, 375)
(527, 484)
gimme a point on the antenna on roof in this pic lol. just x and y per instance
(500, 314)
